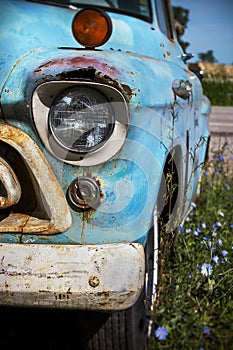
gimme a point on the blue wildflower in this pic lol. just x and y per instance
(214, 234)
(215, 259)
(221, 213)
(224, 252)
(228, 187)
(188, 230)
(214, 247)
(219, 242)
(181, 228)
(206, 269)
(161, 333)
(203, 225)
(231, 225)
(193, 205)
(216, 172)
(195, 233)
(206, 330)
(218, 224)
(221, 158)
(187, 219)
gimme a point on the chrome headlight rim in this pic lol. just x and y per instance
(79, 90)
(42, 100)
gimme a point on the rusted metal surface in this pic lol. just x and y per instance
(11, 184)
(57, 209)
(99, 277)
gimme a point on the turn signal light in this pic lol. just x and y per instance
(91, 27)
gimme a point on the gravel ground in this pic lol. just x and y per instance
(222, 143)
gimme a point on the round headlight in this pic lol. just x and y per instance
(81, 119)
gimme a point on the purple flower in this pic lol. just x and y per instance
(206, 269)
(161, 333)
(219, 242)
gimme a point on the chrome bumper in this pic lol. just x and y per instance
(95, 277)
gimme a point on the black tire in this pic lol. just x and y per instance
(127, 329)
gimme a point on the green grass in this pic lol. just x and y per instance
(196, 308)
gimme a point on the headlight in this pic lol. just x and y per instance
(80, 123)
(81, 119)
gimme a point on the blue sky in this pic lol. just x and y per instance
(210, 27)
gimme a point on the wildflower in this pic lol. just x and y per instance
(205, 238)
(181, 228)
(224, 252)
(219, 242)
(221, 213)
(201, 348)
(188, 230)
(214, 234)
(218, 224)
(228, 187)
(161, 333)
(187, 219)
(217, 172)
(189, 276)
(214, 247)
(231, 225)
(206, 269)
(203, 225)
(206, 330)
(198, 229)
(221, 158)
(195, 233)
(215, 259)
(193, 205)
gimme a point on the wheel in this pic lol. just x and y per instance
(128, 329)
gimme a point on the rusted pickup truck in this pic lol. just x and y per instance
(103, 131)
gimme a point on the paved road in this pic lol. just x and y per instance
(221, 120)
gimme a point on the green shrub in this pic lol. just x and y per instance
(219, 91)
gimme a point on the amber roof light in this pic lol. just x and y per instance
(91, 27)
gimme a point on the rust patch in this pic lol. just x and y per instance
(77, 62)
(83, 68)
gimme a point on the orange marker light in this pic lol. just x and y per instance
(91, 27)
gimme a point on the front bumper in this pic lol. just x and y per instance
(95, 277)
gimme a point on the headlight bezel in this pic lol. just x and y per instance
(42, 100)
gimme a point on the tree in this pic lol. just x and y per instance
(181, 16)
(207, 56)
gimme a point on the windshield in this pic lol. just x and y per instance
(139, 8)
